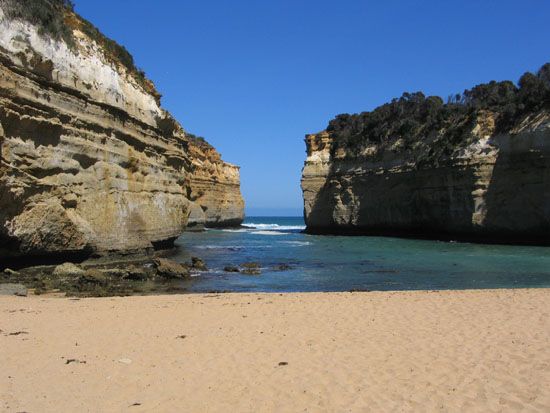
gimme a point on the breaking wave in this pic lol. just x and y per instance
(274, 227)
(267, 233)
(296, 243)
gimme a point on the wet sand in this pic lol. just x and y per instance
(485, 350)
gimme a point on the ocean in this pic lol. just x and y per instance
(292, 261)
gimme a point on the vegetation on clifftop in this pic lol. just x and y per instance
(57, 19)
(47, 15)
(197, 140)
(414, 116)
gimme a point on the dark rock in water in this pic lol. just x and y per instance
(251, 271)
(198, 264)
(13, 289)
(250, 265)
(251, 268)
(282, 267)
(136, 273)
(170, 269)
(68, 270)
(231, 268)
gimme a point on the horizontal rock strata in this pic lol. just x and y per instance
(214, 188)
(89, 161)
(490, 186)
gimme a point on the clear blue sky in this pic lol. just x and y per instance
(255, 76)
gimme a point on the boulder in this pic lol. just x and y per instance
(68, 270)
(170, 269)
(94, 277)
(136, 273)
(198, 264)
(251, 268)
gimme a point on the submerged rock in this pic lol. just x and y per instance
(95, 277)
(136, 273)
(251, 268)
(282, 267)
(231, 268)
(170, 269)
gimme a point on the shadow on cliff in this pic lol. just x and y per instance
(439, 201)
(518, 197)
(434, 202)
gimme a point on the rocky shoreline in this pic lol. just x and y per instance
(143, 275)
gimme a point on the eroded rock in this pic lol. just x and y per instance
(68, 269)
(198, 264)
(170, 269)
(484, 185)
(89, 161)
(214, 188)
(251, 268)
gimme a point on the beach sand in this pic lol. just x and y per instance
(485, 350)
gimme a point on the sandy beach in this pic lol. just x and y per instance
(484, 350)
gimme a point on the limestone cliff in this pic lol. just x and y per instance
(467, 169)
(89, 161)
(214, 187)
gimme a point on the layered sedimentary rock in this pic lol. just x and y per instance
(89, 160)
(214, 188)
(484, 183)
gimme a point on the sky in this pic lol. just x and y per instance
(254, 76)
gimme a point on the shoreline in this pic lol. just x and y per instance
(475, 350)
(480, 238)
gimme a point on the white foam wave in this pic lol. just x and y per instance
(296, 243)
(220, 247)
(273, 227)
(267, 233)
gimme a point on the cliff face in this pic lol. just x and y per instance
(89, 161)
(214, 188)
(483, 183)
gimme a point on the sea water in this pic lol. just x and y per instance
(344, 263)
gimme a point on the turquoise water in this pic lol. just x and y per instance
(339, 263)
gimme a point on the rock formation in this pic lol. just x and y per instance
(214, 187)
(89, 161)
(476, 168)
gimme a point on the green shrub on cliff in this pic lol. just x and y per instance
(414, 116)
(47, 15)
(57, 19)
